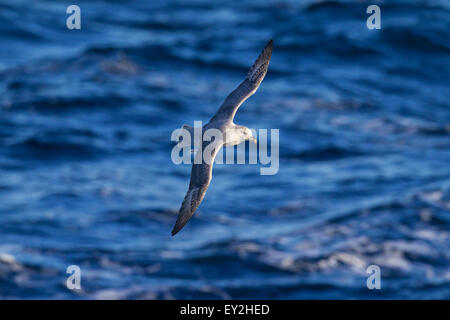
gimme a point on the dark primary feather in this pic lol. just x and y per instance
(247, 87)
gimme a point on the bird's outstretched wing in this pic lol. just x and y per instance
(247, 87)
(201, 175)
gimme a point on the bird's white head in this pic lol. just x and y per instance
(248, 135)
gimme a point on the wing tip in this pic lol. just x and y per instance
(186, 211)
(179, 224)
(174, 231)
(267, 52)
(259, 68)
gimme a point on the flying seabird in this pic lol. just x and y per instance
(233, 134)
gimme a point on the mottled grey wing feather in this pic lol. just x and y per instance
(201, 175)
(248, 87)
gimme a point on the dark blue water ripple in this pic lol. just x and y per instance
(86, 176)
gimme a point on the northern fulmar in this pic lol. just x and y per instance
(233, 134)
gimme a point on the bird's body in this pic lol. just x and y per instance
(233, 134)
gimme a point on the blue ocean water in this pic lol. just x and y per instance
(86, 177)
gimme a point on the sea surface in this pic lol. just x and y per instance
(86, 176)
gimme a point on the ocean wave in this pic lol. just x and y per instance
(87, 179)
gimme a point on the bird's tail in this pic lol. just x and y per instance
(191, 132)
(188, 128)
